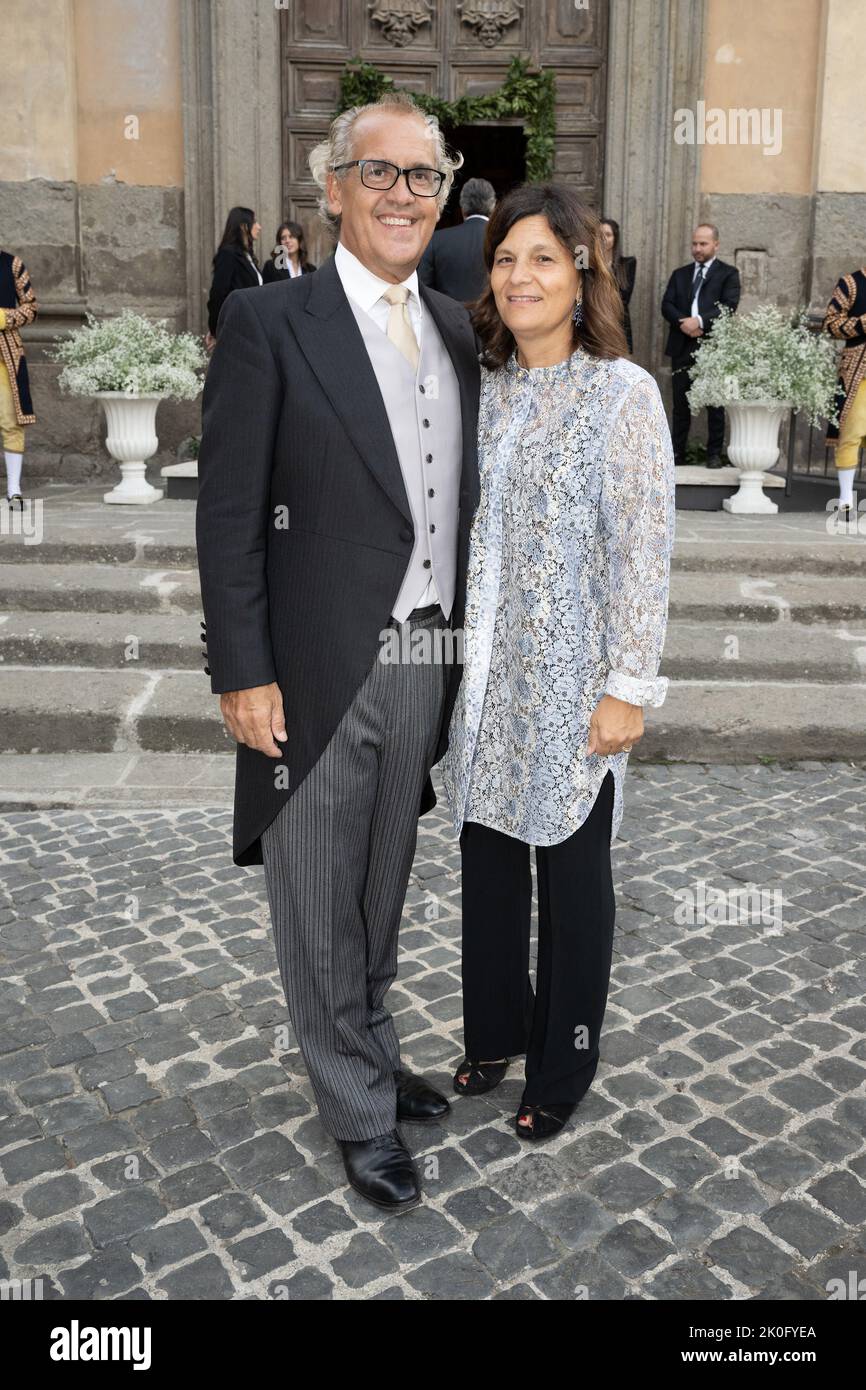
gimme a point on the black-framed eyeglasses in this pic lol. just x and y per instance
(381, 175)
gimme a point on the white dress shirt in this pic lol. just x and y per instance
(365, 290)
(255, 267)
(698, 284)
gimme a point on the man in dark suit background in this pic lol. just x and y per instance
(691, 305)
(337, 482)
(454, 261)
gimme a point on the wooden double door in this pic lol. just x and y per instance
(449, 48)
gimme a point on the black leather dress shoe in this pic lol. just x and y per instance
(715, 462)
(417, 1100)
(382, 1170)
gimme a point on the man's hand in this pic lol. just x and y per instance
(691, 326)
(615, 726)
(255, 717)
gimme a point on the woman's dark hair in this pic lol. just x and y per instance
(238, 232)
(297, 232)
(616, 261)
(579, 230)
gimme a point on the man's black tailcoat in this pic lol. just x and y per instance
(303, 527)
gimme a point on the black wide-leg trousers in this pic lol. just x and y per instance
(558, 1026)
(681, 422)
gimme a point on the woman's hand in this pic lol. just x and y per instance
(615, 726)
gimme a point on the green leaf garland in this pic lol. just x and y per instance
(529, 95)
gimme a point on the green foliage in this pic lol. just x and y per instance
(530, 96)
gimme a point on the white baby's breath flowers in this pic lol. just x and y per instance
(133, 354)
(766, 355)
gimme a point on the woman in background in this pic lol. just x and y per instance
(234, 266)
(622, 268)
(289, 256)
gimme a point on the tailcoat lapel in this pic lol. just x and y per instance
(331, 341)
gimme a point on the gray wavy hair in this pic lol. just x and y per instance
(337, 149)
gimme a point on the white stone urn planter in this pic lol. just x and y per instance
(131, 440)
(753, 448)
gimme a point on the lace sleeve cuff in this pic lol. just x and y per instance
(636, 691)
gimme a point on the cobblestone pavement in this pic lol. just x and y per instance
(158, 1140)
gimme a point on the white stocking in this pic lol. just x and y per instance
(846, 484)
(13, 472)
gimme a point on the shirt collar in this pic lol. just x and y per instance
(706, 266)
(361, 284)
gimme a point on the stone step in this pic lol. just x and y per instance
(792, 598)
(99, 588)
(174, 711)
(132, 779)
(137, 641)
(165, 539)
(111, 641)
(783, 650)
(704, 721)
(80, 709)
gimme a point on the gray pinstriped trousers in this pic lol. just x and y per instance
(337, 859)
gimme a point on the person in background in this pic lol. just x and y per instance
(289, 256)
(454, 261)
(234, 266)
(622, 268)
(692, 301)
(17, 307)
(846, 319)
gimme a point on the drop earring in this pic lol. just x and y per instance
(577, 313)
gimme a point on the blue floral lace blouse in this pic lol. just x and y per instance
(567, 590)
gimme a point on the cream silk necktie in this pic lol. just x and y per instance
(400, 329)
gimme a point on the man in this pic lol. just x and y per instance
(691, 304)
(454, 261)
(846, 319)
(337, 480)
(17, 308)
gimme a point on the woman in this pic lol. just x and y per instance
(623, 269)
(17, 307)
(565, 618)
(289, 257)
(234, 266)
